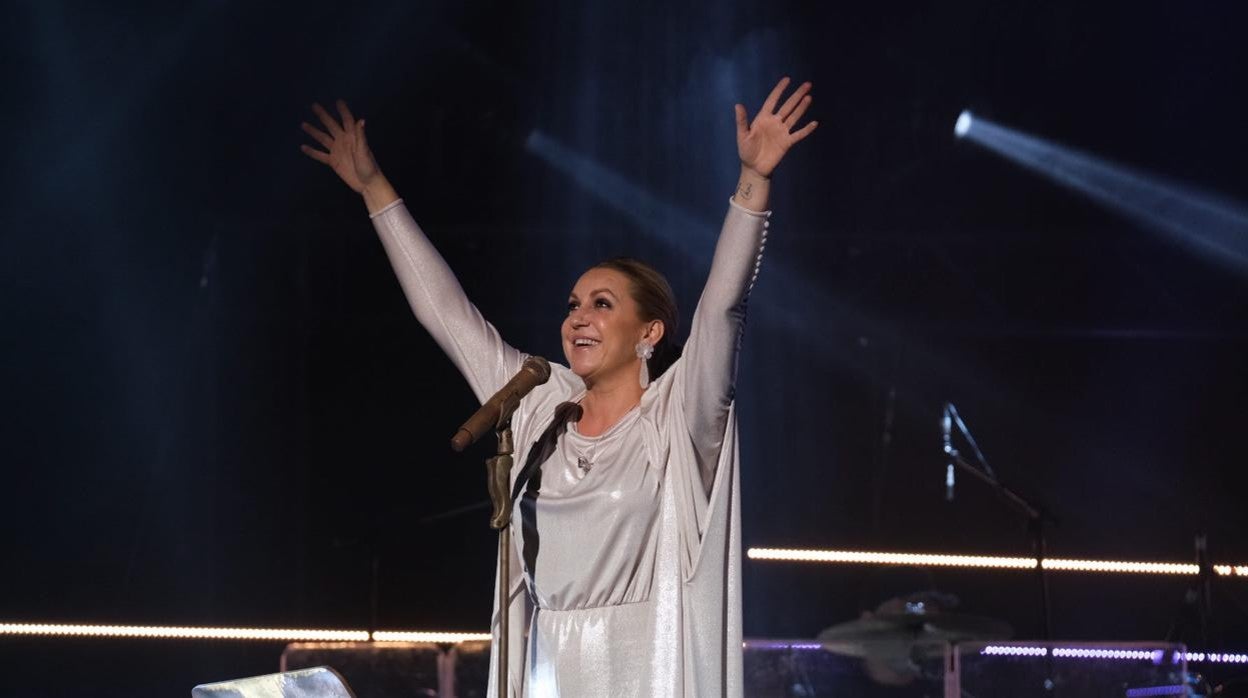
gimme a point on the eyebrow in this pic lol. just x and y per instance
(597, 290)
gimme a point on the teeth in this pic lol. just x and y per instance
(583, 342)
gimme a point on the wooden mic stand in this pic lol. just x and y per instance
(498, 481)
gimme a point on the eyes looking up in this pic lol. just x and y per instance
(599, 302)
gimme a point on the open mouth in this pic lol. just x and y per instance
(585, 342)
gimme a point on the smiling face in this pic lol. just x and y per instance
(603, 327)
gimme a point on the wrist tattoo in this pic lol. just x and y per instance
(744, 189)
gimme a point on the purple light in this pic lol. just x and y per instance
(1100, 653)
(1014, 651)
(1156, 656)
(1175, 690)
(1217, 658)
(781, 645)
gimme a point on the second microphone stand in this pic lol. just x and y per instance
(1037, 519)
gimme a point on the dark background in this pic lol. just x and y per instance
(218, 409)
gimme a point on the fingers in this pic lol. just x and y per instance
(330, 125)
(769, 106)
(348, 119)
(360, 138)
(793, 101)
(315, 154)
(743, 124)
(317, 135)
(805, 131)
(796, 114)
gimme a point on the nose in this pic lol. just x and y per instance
(576, 318)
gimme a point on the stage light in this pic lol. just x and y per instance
(1211, 224)
(1011, 651)
(804, 645)
(1148, 691)
(165, 632)
(963, 124)
(1156, 656)
(682, 229)
(884, 558)
(1120, 566)
(261, 634)
(397, 636)
(1217, 658)
(987, 562)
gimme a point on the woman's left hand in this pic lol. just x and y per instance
(762, 144)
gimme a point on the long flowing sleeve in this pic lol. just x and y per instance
(442, 307)
(698, 576)
(710, 355)
(480, 354)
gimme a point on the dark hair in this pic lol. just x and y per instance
(655, 301)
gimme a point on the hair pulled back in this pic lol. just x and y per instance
(655, 301)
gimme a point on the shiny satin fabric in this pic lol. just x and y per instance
(630, 576)
(317, 682)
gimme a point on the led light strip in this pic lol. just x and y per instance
(856, 556)
(395, 636)
(1155, 656)
(147, 631)
(192, 633)
(1217, 657)
(1148, 692)
(988, 562)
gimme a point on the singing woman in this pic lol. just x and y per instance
(629, 531)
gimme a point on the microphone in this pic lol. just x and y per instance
(950, 453)
(533, 373)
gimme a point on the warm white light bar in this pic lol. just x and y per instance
(146, 631)
(987, 562)
(193, 633)
(1120, 566)
(394, 636)
(880, 558)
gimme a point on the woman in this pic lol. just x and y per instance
(629, 533)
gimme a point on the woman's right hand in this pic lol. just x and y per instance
(346, 149)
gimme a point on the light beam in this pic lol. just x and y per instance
(1207, 223)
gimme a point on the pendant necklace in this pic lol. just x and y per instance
(585, 462)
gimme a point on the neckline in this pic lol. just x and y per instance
(627, 418)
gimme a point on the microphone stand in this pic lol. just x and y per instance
(1037, 518)
(498, 482)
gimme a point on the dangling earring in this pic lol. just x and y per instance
(644, 351)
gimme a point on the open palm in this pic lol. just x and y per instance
(346, 148)
(763, 143)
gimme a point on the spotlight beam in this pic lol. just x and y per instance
(1207, 223)
(693, 237)
(647, 211)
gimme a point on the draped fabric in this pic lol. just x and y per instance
(629, 582)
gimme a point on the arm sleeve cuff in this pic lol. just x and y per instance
(387, 207)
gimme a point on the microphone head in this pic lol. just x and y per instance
(539, 367)
(462, 439)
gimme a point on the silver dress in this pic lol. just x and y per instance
(629, 582)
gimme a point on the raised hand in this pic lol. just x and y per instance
(346, 148)
(763, 143)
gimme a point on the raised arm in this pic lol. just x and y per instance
(715, 333)
(432, 290)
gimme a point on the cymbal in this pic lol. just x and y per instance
(894, 634)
